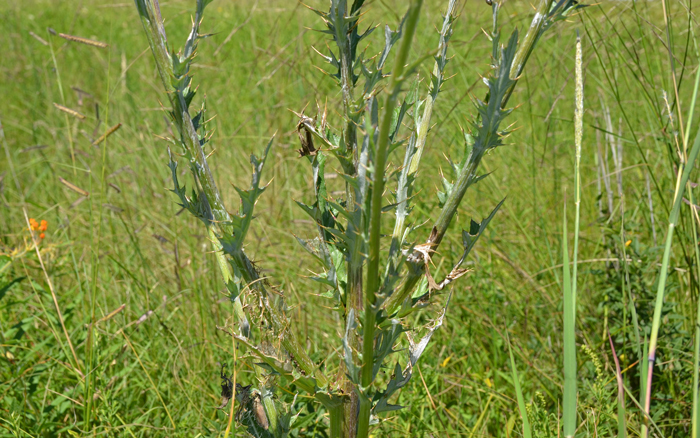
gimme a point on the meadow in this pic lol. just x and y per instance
(123, 287)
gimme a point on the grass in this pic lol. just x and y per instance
(154, 361)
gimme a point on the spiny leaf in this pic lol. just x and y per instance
(399, 379)
(491, 114)
(384, 345)
(476, 229)
(437, 77)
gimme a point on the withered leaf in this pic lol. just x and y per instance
(259, 413)
(305, 136)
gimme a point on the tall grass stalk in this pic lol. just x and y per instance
(695, 421)
(686, 166)
(570, 280)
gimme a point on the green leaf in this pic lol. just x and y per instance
(7, 286)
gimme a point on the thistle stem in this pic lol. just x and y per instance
(152, 21)
(372, 285)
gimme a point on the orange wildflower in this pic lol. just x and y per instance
(41, 227)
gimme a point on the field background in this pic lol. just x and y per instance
(125, 243)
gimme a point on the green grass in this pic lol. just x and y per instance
(125, 244)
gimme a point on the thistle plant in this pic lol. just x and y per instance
(373, 290)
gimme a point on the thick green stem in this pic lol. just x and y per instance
(363, 418)
(527, 45)
(464, 181)
(416, 269)
(380, 159)
(271, 413)
(378, 191)
(353, 291)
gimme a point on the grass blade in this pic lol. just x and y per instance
(621, 423)
(569, 342)
(527, 432)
